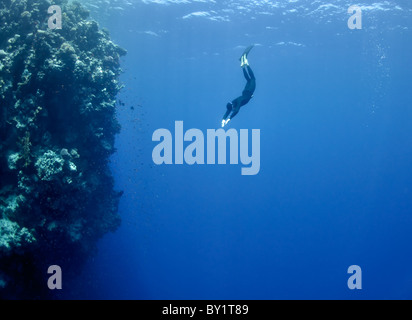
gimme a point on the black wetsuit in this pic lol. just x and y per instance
(234, 106)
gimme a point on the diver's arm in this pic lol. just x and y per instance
(234, 113)
(227, 114)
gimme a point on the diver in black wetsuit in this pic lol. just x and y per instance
(234, 106)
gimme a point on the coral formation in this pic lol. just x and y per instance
(57, 128)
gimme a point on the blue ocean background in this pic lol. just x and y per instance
(334, 107)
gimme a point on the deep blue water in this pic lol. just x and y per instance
(334, 107)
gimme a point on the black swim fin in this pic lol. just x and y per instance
(246, 52)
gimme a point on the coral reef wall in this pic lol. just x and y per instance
(58, 92)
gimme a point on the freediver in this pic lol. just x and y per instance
(247, 94)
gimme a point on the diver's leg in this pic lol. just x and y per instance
(249, 70)
(245, 74)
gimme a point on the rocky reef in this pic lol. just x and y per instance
(58, 123)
